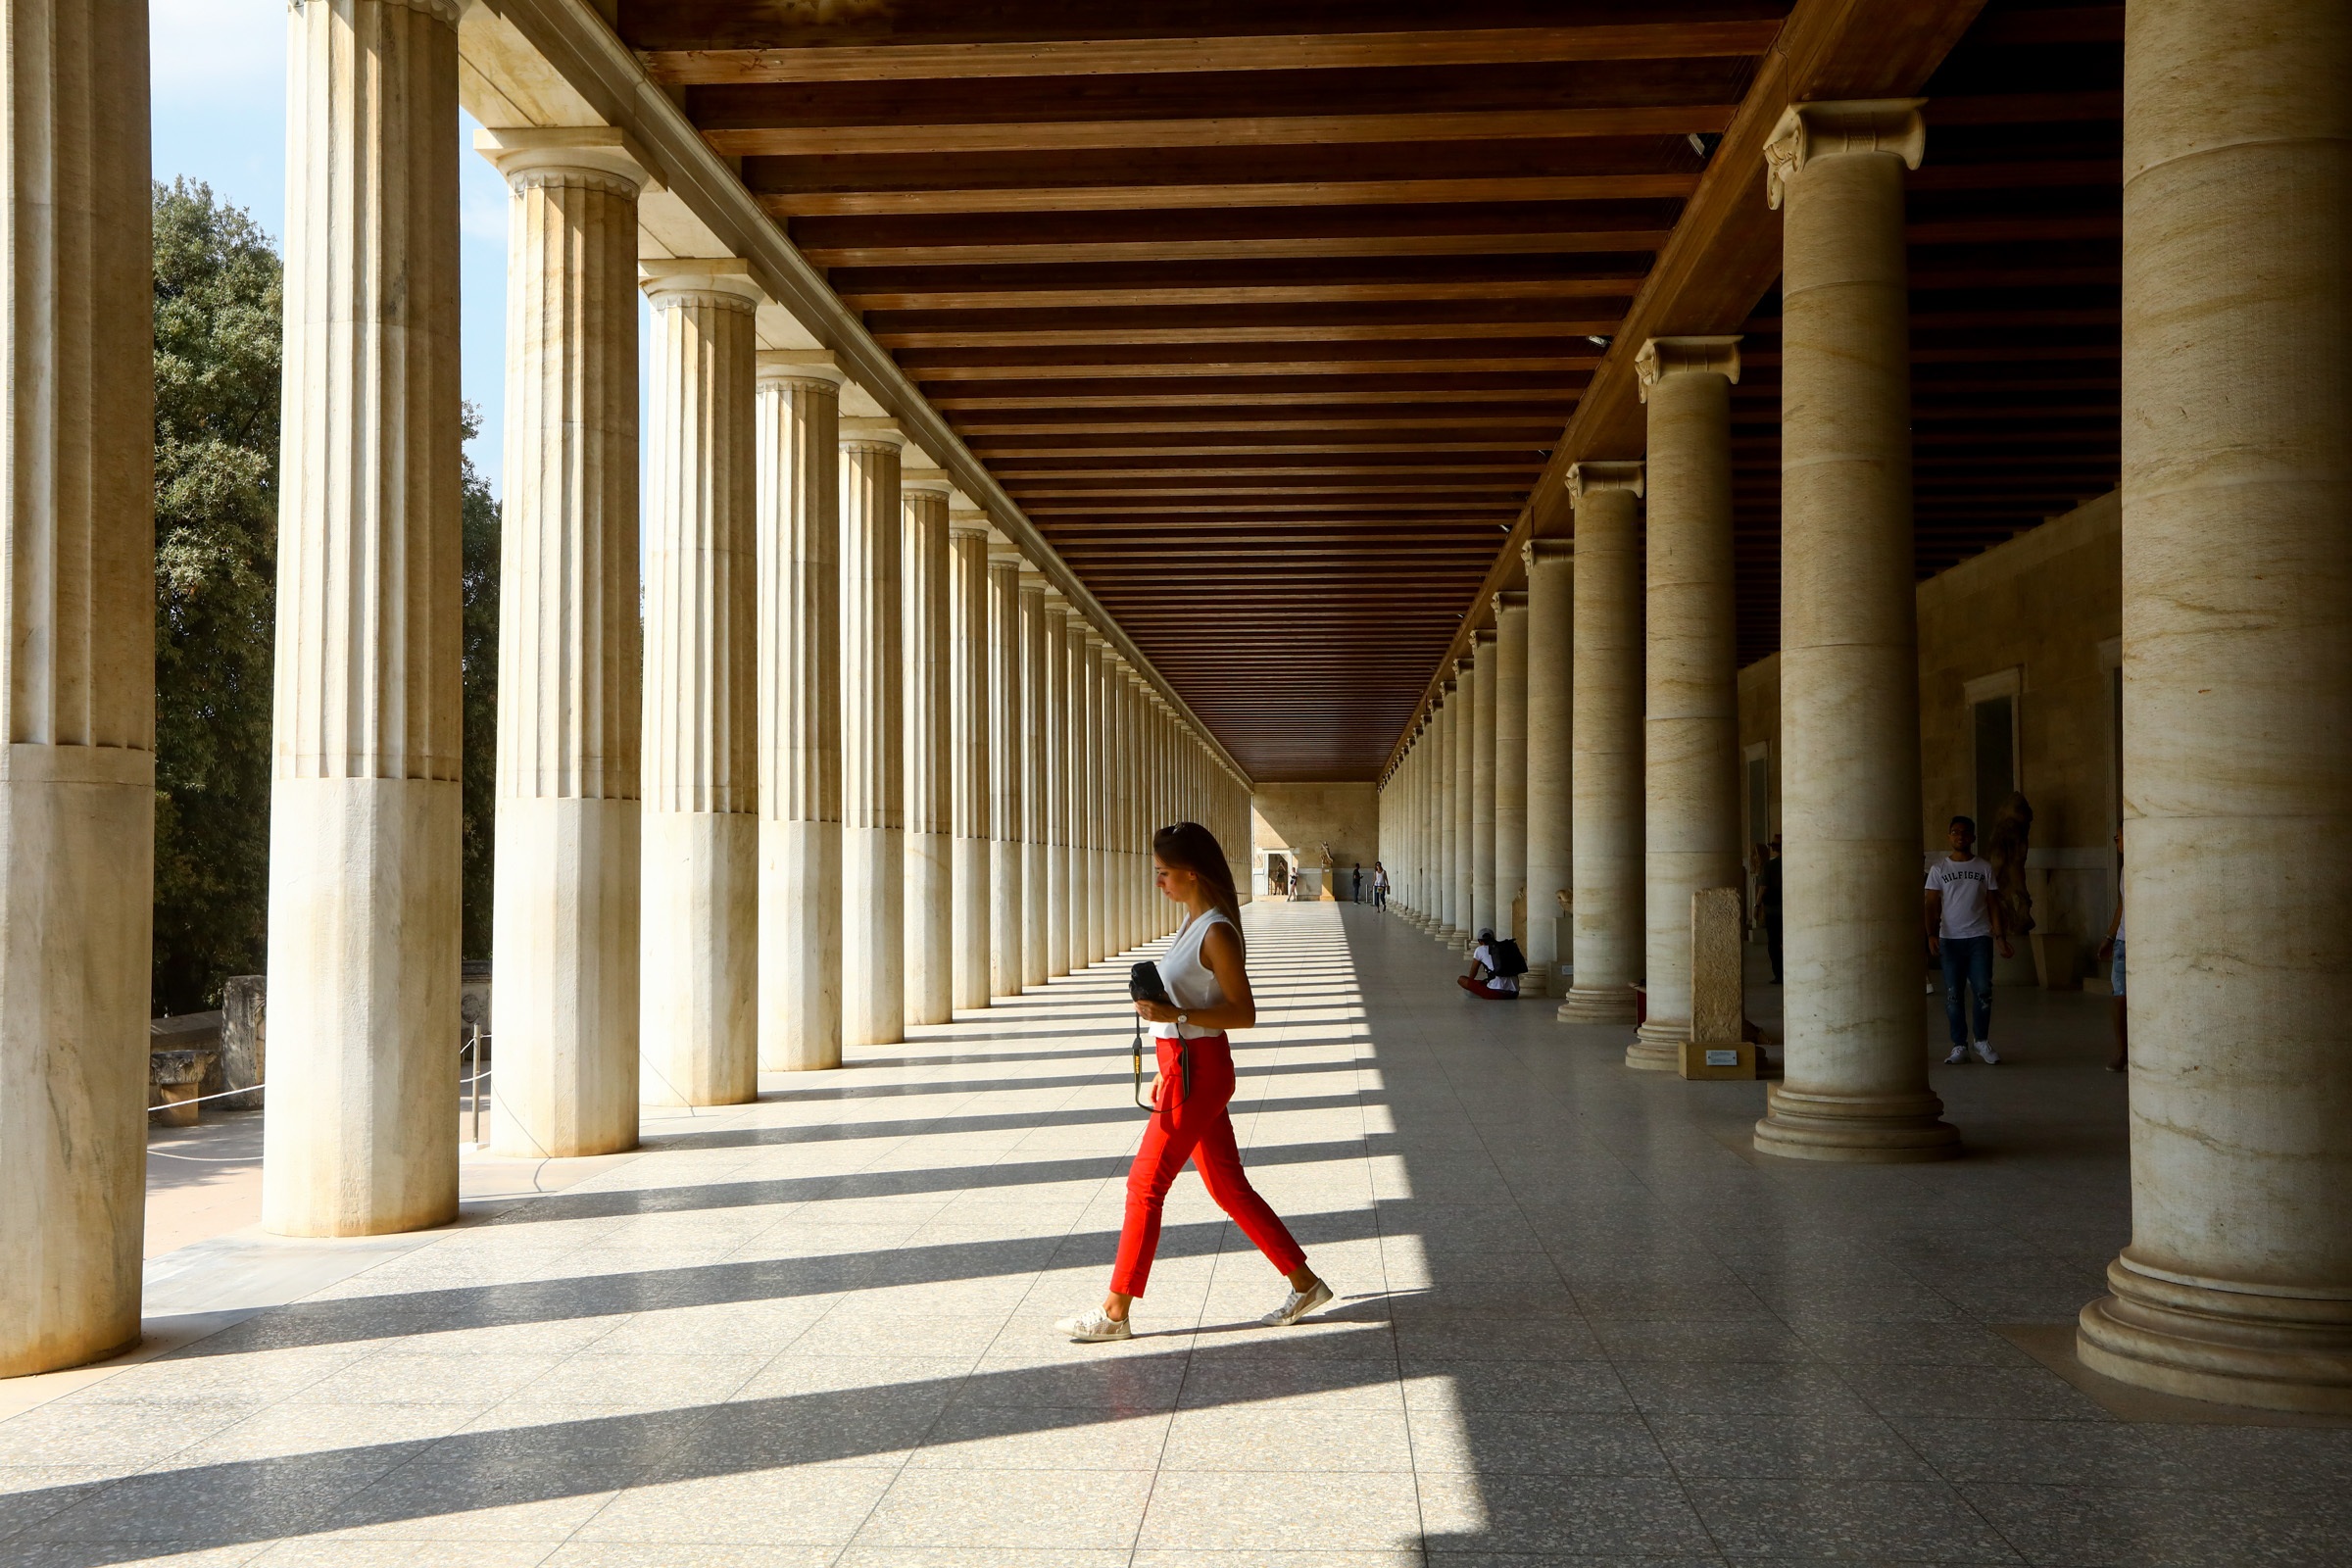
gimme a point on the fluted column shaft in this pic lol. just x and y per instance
(1037, 784)
(1098, 757)
(967, 642)
(1482, 781)
(1690, 723)
(1450, 911)
(1550, 742)
(1605, 766)
(1856, 1084)
(364, 804)
(564, 884)
(873, 785)
(1510, 765)
(77, 681)
(930, 842)
(698, 1032)
(797, 436)
(1010, 721)
(1054, 729)
(1465, 799)
(2237, 706)
(1069, 887)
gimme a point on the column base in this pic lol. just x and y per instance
(1599, 1004)
(1855, 1129)
(2199, 1340)
(1659, 1048)
(1534, 983)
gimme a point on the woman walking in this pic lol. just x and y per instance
(1208, 991)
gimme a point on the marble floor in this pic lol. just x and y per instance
(1580, 1322)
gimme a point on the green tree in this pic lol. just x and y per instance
(479, 554)
(218, 330)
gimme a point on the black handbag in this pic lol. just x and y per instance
(1144, 984)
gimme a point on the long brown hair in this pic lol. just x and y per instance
(1190, 847)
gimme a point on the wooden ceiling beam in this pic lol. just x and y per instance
(983, 399)
(979, 295)
(1131, 57)
(1216, 130)
(1075, 336)
(1227, 196)
(1559, 240)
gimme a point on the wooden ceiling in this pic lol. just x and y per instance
(1271, 315)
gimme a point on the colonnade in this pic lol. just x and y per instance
(2237, 699)
(843, 761)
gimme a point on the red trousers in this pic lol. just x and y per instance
(1192, 1127)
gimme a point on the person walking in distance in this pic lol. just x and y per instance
(1380, 886)
(1355, 884)
(1209, 989)
(1964, 926)
(1768, 904)
(2112, 950)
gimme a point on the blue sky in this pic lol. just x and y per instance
(220, 106)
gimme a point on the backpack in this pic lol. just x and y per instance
(1507, 958)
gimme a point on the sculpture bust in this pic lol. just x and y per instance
(2007, 842)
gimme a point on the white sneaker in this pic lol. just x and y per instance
(1959, 1054)
(1298, 1305)
(1095, 1327)
(1986, 1054)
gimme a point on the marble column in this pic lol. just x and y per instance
(1550, 734)
(2237, 1286)
(698, 1024)
(364, 808)
(1097, 947)
(873, 785)
(1690, 723)
(565, 901)
(1484, 659)
(1605, 759)
(1510, 765)
(1465, 802)
(1857, 1084)
(797, 421)
(1036, 783)
(1071, 886)
(969, 681)
(1054, 729)
(927, 759)
(1010, 721)
(1450, 914)
(77, 783)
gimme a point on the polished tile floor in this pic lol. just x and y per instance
(1580, 1322)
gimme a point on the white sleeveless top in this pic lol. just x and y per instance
(1189, 981)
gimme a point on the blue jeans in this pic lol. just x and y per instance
(1968, 961)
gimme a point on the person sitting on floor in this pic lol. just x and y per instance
(1487, 960)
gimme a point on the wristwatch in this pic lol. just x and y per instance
(1182, 1019)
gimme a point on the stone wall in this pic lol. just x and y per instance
(2038, 620)
(1299, 818)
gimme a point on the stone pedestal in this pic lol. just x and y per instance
(797, 433)
(967, 644)
(873, 789)
(1690, 723)
(364, 812)
(564, 917)
(1607, 759)
(1857, 1066)
(77, 779)
(2237, 1286)
(699, 1030)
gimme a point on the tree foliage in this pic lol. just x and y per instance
(219, 327)
(218, 330)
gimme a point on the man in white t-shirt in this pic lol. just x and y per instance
(1483, 980)
(1964, 927)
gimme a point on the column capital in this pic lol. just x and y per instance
(716, 279)
(1662, 356)
(1590, 478)
(1536, 550)
(800, 367)
(1510, 599)
(604, 156)
(965, 520)
(1483, 637)
(1033, 581)
(1830, 128)
(871, 433)
(1002, 552)
(919, 478)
